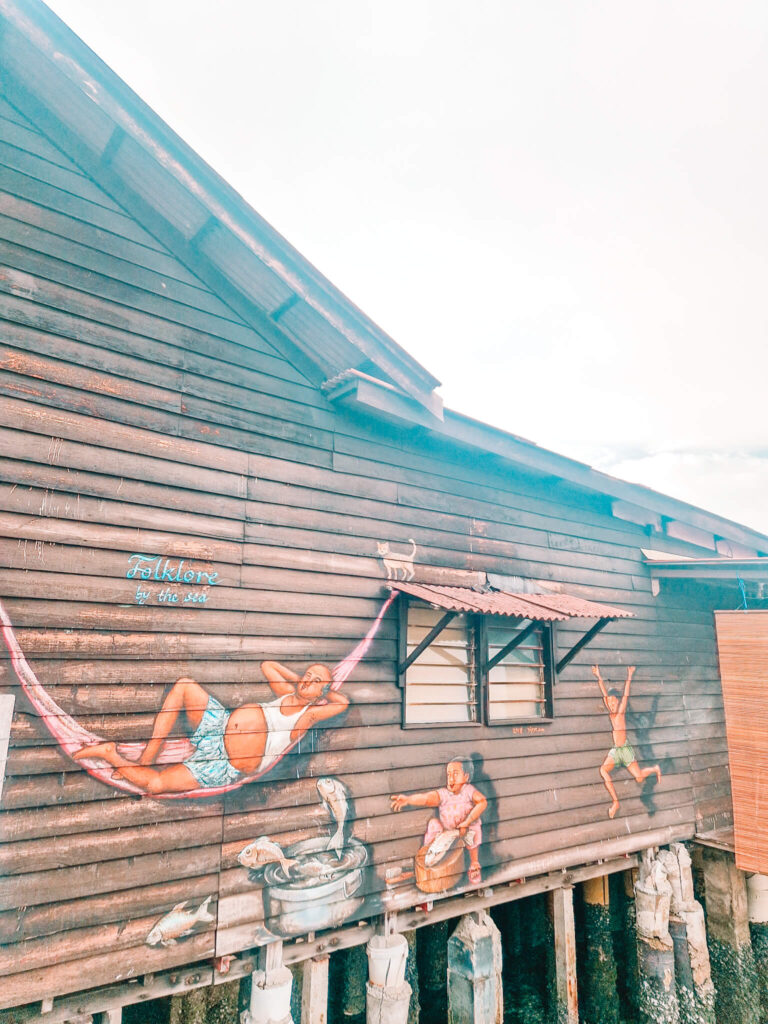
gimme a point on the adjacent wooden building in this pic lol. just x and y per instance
(288, 646)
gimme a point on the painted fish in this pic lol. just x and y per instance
(178, 923)
(264, 851)
(315, 869)
(440, 846)
(336, 799)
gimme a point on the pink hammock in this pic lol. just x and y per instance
(71, 736)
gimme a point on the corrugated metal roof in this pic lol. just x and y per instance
(536, 607)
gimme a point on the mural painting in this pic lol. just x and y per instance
(454, 830)
(398, 565)
(323, 879)
(229, 747)
(226, 750)
(621, 753)
(179, 923)
(313, 884)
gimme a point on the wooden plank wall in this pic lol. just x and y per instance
(138, 414)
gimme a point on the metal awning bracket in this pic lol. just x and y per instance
(431, 636)
(513, 643)
(587, 638)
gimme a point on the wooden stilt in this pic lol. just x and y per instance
(601, 1003)
(566, 993)
(189, 1008)
(222, 1004)
(113, 1016)
(432, 956)
(314, 991)
(730, 944)
(355, 979)
(412, 977)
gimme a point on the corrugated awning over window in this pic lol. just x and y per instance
(536, 607)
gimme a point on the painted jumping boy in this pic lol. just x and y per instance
(621, 753)
(228, 745)
(460, 806)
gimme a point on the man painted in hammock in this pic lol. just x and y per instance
(621, 753)
(228, 745)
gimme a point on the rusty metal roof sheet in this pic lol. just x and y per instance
(536, 607)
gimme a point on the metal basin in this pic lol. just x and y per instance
(295, 905)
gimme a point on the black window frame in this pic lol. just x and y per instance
(478, 634)
(549, 659)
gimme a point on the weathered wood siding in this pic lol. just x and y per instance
(139, 414)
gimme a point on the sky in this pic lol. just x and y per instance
(559, 208)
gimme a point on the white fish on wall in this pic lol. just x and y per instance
(179, 923)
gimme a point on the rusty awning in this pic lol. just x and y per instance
(535, 607)
(545, 608)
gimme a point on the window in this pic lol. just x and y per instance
(441, 682)
(518, 684)
(471, 668)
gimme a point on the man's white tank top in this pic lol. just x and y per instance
(279, 729)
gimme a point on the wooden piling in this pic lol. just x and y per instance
(657, 993)
(412, 977)
(354, 980)
(189, 1008)
(111, 1016)
(432, 962)
(757, 900)
(566, 1000)
(222, 1003)
(730, 945)
(623, 897)
(601, 1004)
(536, 939)
(314, 991)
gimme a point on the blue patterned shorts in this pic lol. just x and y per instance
(209, 764)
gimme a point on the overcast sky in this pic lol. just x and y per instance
(559, 207)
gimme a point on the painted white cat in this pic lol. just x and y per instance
(397, 562)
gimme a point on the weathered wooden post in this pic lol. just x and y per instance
(566, 1010)
(221, 1003)
(538, 938)
(474, 972)
(189, 1007)
(354, 980)
(432, 955)
(297, 984)
(695, 991)
(112, 1016)
(630, 982)
(657, 995)
(601, 1003)
(314, 990)
(271, 984)
(387, 994)
(412, 977)
(730, 945)
(757, 902)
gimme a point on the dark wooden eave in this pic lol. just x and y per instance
(94, 117)
(722, 570)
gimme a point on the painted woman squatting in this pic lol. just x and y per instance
(460, 807)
